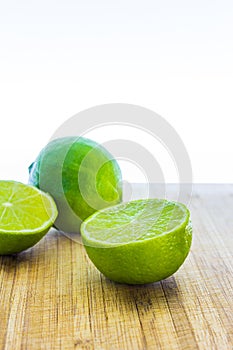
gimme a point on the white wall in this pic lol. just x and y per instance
(174, 57)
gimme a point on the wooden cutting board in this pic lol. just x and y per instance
(52, 297)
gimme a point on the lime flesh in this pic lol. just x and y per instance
(26, 215)
(138, 242)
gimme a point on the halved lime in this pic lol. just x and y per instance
(26, 215)
(140, 241)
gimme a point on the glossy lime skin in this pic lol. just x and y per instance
(143, 261)
(81, 176)
(12, 243)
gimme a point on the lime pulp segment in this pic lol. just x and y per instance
(24, 208)
(135, 221)
(26, 215)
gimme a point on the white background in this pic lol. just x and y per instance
(174, 57)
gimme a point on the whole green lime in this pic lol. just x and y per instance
(138, 242)
(81, 176)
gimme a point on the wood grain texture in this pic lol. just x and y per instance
(52, 297)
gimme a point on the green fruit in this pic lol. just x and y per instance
(82, 177)
(138, 242)
(26, 215)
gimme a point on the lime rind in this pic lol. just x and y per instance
(81, 175)
(143, 262)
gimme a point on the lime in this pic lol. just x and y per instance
(81, 176)
(26, 215)
(138, 242)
